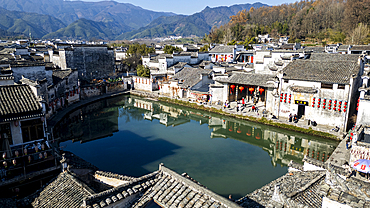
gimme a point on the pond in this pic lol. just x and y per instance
(132, 136)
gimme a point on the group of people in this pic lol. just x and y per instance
(293, 118)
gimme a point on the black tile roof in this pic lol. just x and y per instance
(296, 188)
(190, 76)
(65, 191)
(262, 80)
(330, 72)
(174, 190)
(360, 48)
(18, 102)
(334, 57)
(222, 49)
(137, 185)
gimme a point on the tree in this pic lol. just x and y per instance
(134, 53)
(205, 48)
(142, 71)
(359, 35)
(170, 49)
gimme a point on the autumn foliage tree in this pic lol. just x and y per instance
(323, 20)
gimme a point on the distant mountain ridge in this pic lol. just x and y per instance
(108, 20)
(103, 11)
(88, 29)
(197, 24)
(23, 22)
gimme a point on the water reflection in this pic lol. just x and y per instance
(131, 135)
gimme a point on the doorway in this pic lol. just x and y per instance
(301, 110)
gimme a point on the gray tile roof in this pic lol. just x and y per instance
(331, 72)
(17, 102)
(190, 76)
(243, 78)
(343, 48)
(138, 185)
(222, 49)
(62, 73)
(360, 48)
(296, 188)
(65, 191)
(174, 190)
(334, 57)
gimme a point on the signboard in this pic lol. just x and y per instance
(301, 102)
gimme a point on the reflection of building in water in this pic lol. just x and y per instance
(168, 115)
(94, 121)
(281, 147)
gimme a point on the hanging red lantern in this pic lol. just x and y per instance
(313, 106)
(241, 88)
(251, 89)
(344, 110)
(232, 86)
(329, 101)
(261, 90)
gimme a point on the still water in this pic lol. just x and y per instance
(132, 135)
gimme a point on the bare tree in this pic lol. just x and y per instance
(359, 34)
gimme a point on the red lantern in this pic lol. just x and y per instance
(232, 87)
(241, 88)
(329, 101)
(251, 89)
(318, 106)
(344, 110)
(261, 90)
(313, 106)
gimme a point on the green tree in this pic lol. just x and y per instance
(205, 48)
(134, 53)
(142, 71)
(170, 49)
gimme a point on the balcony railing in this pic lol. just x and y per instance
(25, 159)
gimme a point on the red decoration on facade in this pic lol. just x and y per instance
(232, 87)
(241, 88)
(251, 89)
(261, 90)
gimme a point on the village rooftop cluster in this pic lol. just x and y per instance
(325, 86)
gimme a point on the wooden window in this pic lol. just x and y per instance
(341, 86)
(326, 86)
(5, 133)
(32, 130)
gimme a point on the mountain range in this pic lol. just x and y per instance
(108, 20)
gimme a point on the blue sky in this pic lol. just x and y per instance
(191, 6)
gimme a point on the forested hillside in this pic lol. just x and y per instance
(320, 20)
